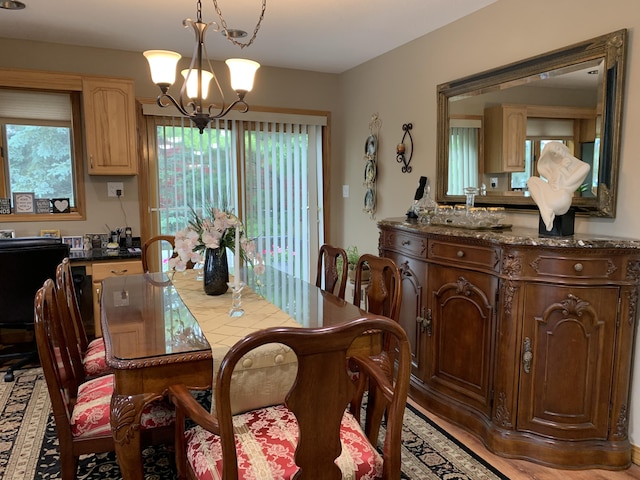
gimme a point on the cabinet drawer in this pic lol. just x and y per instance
(100, 271)
(463, 254)
(576, 266)
(405, 243)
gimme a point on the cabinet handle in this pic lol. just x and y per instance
(406, 242)
(428, 322)
(460, 254)
(578, 267)
(527, 356)
(420, 319)
(91, 161)
(119, 272)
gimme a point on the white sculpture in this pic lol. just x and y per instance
(564, 174)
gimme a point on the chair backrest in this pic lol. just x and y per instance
(328, 270)
(55, 359)
(384, 288)
(64, 283)
(152, 248)
(322, 391)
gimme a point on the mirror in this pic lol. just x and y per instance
(492, 125)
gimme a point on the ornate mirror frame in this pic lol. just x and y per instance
(482, 90)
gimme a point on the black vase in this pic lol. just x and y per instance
(216, 271)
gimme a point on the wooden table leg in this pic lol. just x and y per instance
(125, 427)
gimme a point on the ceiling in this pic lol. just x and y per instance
(329, 36)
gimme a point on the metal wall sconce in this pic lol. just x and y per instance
(401, 155)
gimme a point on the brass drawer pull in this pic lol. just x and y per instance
(119, 272)
(460, 254)
(578, 267)
(527, 356)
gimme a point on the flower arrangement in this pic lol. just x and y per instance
(218, 230)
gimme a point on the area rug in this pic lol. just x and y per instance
(29, 446)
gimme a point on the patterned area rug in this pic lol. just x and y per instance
(29, 446)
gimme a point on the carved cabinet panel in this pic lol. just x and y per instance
(460, 342)
(568, 352)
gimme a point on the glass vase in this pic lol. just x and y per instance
(216, 271)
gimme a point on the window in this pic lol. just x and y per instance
(39, 142)
(271, 171)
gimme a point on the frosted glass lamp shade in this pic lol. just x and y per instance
(191, 81)
(242, 73)
(162, 64)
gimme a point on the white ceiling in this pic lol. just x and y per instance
(319, 35)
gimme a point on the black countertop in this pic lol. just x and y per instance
(97, 254)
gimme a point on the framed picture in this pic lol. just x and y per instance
(23, 202)
(60, 205)
(76, 243)
(50, 233)
(5, 206)
(7, 233)
(43, 205)
(98, 240)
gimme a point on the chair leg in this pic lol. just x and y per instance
(68, 466)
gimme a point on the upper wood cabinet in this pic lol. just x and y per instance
(110, 126)
(504, 141)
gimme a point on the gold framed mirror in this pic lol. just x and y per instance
(492, 125)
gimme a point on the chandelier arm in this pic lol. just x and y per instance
(223, 24)
(224, 111)
(173, 102)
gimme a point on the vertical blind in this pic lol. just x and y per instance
(274, 174)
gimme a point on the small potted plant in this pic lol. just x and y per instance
(352, 259)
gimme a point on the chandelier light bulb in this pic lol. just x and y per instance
(242, 73)
(162, 64)
(191, 80)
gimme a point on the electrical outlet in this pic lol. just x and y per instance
(112, 189)
(494, 182)
(345, 191)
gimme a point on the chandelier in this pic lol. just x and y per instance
(195, 89)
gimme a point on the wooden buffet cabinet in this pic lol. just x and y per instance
(523, 340)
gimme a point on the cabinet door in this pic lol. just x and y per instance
(412, 309)
(110, 126)
(460, 335)
(567, 361)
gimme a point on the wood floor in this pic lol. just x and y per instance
(520, 469)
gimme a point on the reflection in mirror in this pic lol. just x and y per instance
(493, 125)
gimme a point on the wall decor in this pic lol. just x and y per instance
(23, 202)
(60, 205)
(43, 205)
(403, 146)
(76, 243)
(370, 169)
(50, 233)
(7, 233)
(5, 206)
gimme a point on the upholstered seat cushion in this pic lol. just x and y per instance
(91, 414)
(94, 361)
(265, 443)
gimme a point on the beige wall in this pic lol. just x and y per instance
(401, 87)
(274, 87)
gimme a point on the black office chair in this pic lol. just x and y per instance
(25, 263)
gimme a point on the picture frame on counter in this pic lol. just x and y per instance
(43, 205)
(50, 233)
(23, 202)
(7, 234)
(60, 205)
(75, 242)
(5, 206)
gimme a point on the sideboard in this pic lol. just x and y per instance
(526, 341)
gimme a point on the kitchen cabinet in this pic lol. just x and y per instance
(505, 128)
(525, 341)
(110, 126)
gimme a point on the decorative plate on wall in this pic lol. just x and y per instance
(371, 146)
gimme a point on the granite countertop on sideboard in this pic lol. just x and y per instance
(515, 235)
(97, 254)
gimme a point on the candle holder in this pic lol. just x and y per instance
(402, 156)
(236, 299)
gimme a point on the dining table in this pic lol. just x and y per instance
(161, 329)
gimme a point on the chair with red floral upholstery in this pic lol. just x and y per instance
(82, 409)
(335, 281)
(90, 355)
(309, 433)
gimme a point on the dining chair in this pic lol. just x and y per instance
(308, 434)
(383, 289)
(81, 410)
(88, 357)
(328, 260)
(152, 248)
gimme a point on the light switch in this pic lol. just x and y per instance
(345, 191)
